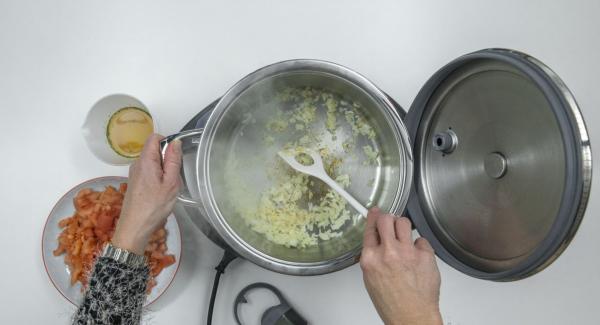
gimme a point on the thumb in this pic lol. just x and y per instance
(172, 161)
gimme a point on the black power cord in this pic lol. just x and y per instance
(228, 256)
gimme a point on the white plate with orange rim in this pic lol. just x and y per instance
(58, 271)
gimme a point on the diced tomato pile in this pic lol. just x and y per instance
(86, 232)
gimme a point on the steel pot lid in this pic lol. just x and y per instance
(502, 164)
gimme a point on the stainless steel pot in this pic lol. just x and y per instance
(502, 165)
(227, 130)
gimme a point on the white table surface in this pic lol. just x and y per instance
(58, 57)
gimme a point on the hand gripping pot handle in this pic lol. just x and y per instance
(164, 143)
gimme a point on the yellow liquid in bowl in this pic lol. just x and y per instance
(128, 129)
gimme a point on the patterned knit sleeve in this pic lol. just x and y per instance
(115, 295)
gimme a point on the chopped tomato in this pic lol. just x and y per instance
(93, 224)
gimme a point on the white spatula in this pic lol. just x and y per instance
(317, 170)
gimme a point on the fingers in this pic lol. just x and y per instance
(172, 162)
(371, 237)
(422, 244)
(151, 149)
(403, 228)
(385, 228)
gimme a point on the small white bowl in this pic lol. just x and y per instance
(96, 122)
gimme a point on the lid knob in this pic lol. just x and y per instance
(494, 165)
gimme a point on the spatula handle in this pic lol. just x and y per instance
(341, 191)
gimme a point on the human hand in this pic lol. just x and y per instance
(151, 193)
(401, 277)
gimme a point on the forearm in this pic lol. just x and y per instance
(115, 295)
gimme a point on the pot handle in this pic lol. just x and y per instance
(164, 143)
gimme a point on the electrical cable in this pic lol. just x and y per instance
(228, 256)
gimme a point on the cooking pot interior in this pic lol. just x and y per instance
(243, 165)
